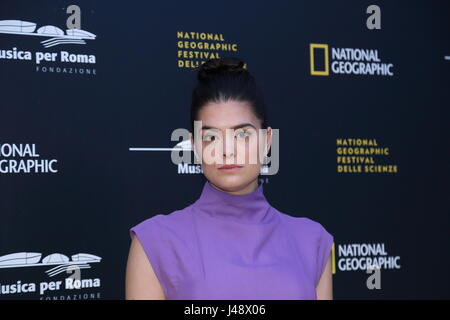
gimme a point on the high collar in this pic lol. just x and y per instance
(250, 208)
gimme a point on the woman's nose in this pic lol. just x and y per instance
(228, 144)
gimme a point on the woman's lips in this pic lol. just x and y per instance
(230, 168)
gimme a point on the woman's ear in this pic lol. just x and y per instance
(268, 140)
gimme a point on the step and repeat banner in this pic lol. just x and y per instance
(91, 92)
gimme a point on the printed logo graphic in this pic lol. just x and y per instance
(56, 35)
(363, 256)
(184, 147)
(72, 287)
(61, 262)
(186, 168)
(48, 60)
(346, 61)
(324, 47)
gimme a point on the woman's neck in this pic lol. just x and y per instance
(251, 187)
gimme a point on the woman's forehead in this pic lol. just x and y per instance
(224, 115)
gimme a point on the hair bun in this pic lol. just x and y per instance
(213, 67)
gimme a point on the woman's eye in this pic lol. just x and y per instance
(209, 137)
(243, 133)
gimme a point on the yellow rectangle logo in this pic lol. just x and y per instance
(315, 72)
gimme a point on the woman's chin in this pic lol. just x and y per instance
(228, 182)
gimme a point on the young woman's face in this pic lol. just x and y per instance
(238, 145)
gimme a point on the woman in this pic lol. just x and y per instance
(230, 243)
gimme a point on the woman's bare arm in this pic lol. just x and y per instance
(324, 289)
(141, 282)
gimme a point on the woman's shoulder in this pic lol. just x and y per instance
(164, 221)
(303, 225)
(313, 239)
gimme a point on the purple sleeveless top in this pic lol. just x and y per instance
(226, 246)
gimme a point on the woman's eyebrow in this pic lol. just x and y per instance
(234, 127)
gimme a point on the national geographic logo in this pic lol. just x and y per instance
(361, 256)
(333, 259)
(346, 61)
(195, 47)
(358, 155)
(23, 158)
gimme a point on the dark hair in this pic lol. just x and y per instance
(225, 79)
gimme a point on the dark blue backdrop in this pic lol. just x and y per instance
(136, 90)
